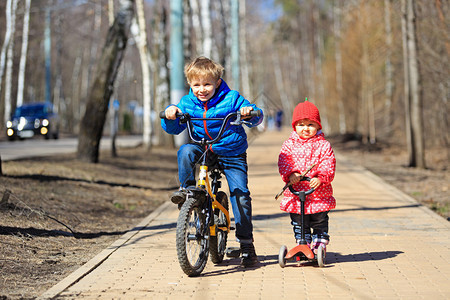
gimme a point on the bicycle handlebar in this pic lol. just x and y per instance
(253, 113)
(293, 191)
(186, 118)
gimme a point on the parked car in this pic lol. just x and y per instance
(33, 119)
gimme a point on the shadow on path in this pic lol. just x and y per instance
(285, 214)
(335, 258)
(30, 231)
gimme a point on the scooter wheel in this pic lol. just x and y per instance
(321, 254)
(282, 255)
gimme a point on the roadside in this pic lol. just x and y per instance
(62, 212)
(430, 187)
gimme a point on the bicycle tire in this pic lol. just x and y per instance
(218, 243)
(192, 245)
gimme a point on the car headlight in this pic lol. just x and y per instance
(10, 132)
(22, 123)
(45, 122)
(8, 124)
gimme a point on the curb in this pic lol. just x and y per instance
(96, 261)
(394, 190)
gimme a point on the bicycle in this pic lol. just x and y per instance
(204, 221)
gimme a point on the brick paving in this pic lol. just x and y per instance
(384, 245)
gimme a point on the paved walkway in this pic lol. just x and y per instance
(383, 246)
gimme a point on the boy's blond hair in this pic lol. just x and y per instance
(203, 67)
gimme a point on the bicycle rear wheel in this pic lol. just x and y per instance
(218, 243)
(192, 238)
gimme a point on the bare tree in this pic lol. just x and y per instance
(246, 91)
(97, 106)
(206, 26)
(9, 61)
(389, 88)
(338, 58)
(146, 73)
(23, 53)
(8, 13)
(413, 105)
(196, 25)
(162, 90)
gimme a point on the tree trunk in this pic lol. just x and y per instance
(415, 88)
(206, 26)
(234, 53)
(75, 94)
(91, 127)
(9, 61)
(196, 26)
(338, 58)
(23, 53)
(7, 107)
(146, 77)
(321, 89)
(110, 12)
(389, 85)
(246, 91)
(162, 84)
(406, 95)
(279, 81)
(414, 137)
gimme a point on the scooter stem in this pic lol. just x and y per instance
(302, 210)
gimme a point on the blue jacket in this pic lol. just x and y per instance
(225, 101)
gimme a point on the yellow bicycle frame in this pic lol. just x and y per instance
(203, 182)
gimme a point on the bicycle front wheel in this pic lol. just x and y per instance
(218, 243)
(192, 238)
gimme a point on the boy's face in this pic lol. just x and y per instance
(204, 88)
(306, 128)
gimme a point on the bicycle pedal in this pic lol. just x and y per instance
(233, 252)
(232, 228)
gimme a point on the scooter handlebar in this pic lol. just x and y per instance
(293, 191)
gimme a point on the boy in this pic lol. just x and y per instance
(210, 96)
(307, 146)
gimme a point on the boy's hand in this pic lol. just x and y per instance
(315, 182)
(171, 112)
(245, 111)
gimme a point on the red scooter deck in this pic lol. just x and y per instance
(300, 248)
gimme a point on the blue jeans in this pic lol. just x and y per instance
(235, 169)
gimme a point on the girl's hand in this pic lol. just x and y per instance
(295, 177)
(315, 183)
(171, 112)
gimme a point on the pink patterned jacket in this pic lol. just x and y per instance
(297, 155)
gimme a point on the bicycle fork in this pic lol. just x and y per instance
(212, 203)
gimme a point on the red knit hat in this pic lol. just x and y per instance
(306, 110)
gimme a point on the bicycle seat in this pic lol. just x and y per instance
(212, 165)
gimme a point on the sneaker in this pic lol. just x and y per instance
(249, 257)
(178, 197)
(315, 246)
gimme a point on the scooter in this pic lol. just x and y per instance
(302, 251)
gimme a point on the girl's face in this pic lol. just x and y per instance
(306, 128)
(204, 88)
